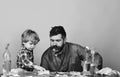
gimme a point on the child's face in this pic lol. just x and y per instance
(29, 45)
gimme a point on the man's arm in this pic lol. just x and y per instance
(81, 52)
(44, 63)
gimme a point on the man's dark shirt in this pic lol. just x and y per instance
(69, 59)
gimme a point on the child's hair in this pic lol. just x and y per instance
(30, 35)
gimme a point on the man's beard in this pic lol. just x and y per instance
(56, 48)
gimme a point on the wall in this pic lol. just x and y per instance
(94, 23)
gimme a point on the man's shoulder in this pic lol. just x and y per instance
(46, 52)
(75, 46)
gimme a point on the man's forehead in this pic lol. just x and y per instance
(59, 36)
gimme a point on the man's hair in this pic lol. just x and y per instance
(58, 30)
(30, 35)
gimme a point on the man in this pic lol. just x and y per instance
(62, 56)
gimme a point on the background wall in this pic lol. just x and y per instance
(94, 23)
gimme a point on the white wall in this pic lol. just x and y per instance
(87, 22)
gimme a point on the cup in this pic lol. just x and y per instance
(86, 66)
(93, 68)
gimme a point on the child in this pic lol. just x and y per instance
(25, 57)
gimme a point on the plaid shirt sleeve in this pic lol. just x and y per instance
(25, 60)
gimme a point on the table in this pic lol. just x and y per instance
(53, 74)
(57, 74)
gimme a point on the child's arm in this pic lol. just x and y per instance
(19, 61)
(24, 62)
(28, 65)
(27, 62)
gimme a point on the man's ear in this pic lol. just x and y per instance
(65, 40)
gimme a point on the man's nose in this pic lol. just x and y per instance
(32, 45)
(54, 43)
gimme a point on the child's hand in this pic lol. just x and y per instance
(39, 68)
(30, 64)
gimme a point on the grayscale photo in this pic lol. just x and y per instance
(60, 38)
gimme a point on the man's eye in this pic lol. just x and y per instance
(52, 40)
(58, 40)
(31, 43)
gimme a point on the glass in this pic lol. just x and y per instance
(86, 66)
(87, 61)
(93, 68)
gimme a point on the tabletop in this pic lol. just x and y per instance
(59, 74)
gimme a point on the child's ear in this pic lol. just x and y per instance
(23, 43)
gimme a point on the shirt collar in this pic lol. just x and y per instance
(26, 50)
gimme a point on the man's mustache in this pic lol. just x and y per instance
(55, 47)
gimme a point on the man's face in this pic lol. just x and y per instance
(56, 42)
(29, 45)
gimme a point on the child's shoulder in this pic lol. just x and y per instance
(21, 51)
